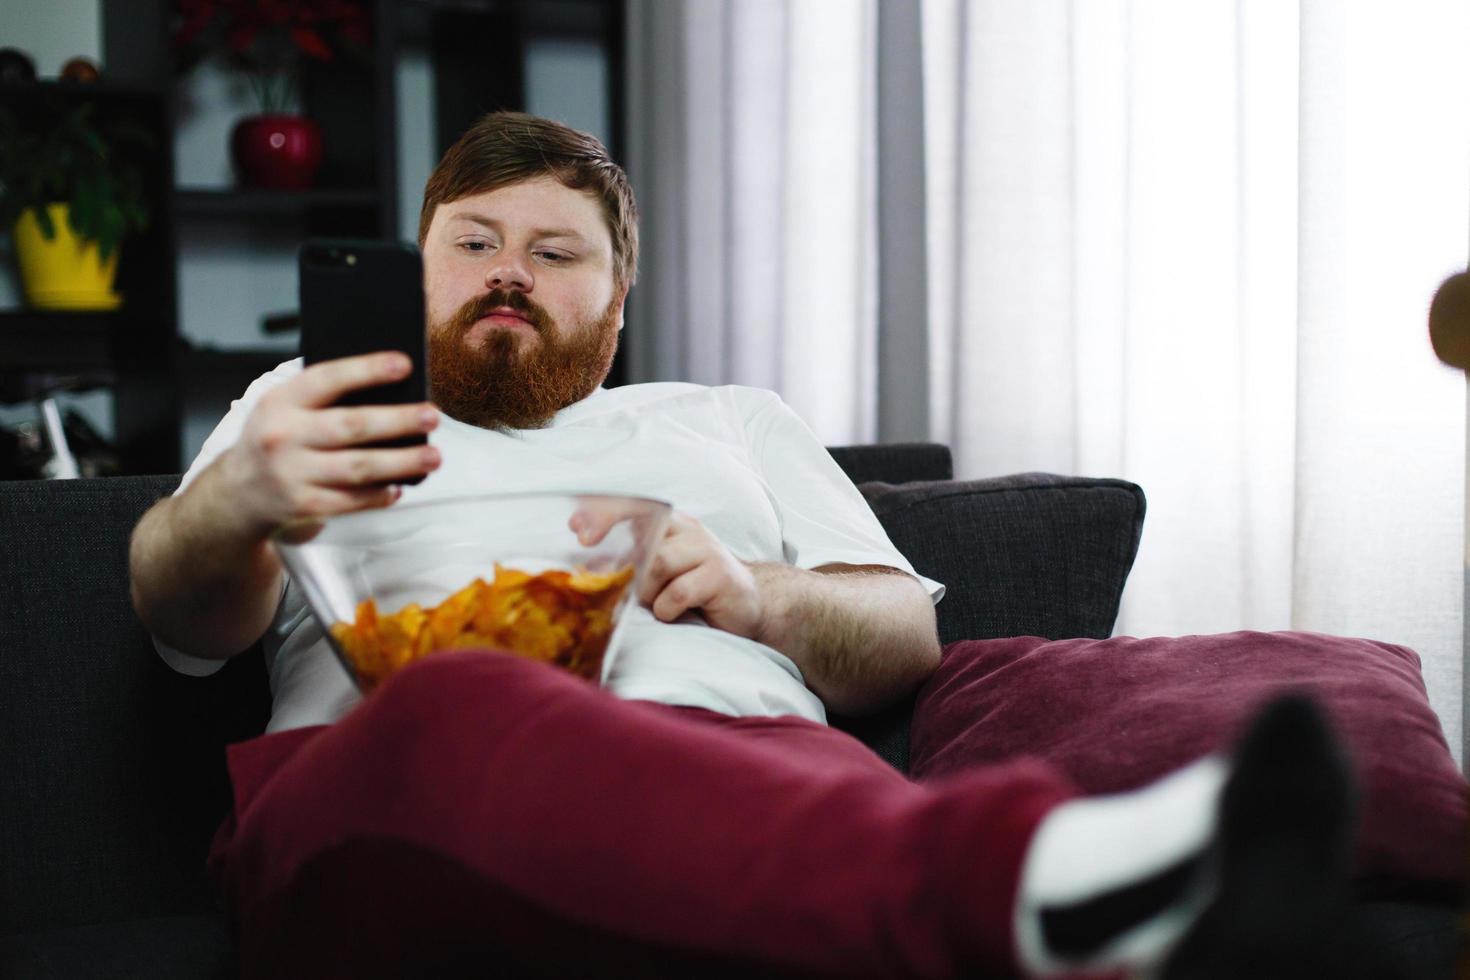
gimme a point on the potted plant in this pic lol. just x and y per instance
(267, 39)
(69, 196)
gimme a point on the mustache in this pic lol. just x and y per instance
(477, 309)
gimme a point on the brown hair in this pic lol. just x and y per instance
(504, 148)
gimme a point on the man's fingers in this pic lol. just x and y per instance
(676, 557)
(331, 428)
(594, 517)
(355, 468)
(692, 590)
(349, 499)
(324, 383)
(325, 502)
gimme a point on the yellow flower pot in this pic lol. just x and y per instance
(64, 272)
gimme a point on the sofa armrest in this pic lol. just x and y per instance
(1027, 555)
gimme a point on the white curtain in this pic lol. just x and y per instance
(752, 147)
(1191, 245)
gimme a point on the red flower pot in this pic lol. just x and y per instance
(277, 151)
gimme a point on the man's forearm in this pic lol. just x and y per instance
(201, 582)
(862, 635)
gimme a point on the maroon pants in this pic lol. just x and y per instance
(481, 815)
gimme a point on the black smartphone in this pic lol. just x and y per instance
(358, 297)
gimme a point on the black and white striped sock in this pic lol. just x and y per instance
(1116, 881)
(1227, 868)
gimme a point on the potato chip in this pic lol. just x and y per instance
(556, 616)
(449, 619)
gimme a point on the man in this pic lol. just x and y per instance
(704, 819)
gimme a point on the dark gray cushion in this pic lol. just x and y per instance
(1026, 555)
(185, 947)
(113, 779)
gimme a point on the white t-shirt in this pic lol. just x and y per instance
(738, 459)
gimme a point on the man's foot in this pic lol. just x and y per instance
(1228, 868)
(1281, 858)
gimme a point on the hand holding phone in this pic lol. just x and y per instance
(346, 432)
(302, 456)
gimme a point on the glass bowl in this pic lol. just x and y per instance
(506, 571)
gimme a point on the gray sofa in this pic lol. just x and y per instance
(113, 779)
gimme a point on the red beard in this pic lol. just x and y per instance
(498, 385)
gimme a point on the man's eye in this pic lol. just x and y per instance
(552, 256)
(475, 246)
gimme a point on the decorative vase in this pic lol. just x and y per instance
(64, 272)
(276, 151)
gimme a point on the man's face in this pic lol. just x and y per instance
(523, 312)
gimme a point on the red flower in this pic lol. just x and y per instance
(243, 23)
(195, 15)
(311, 43)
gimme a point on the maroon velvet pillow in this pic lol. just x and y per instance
(1114, 714)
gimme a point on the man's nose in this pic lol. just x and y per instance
(508, 272)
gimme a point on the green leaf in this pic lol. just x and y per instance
(93, 142)
(79, 118)
(137, 216)
(110, 231)
(105, 187)
(86, 205)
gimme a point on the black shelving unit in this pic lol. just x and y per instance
(213, 376)
(138, 351)
(248, 204)
(59, 342)
(127, 351)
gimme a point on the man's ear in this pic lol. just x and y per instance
(622, 302)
